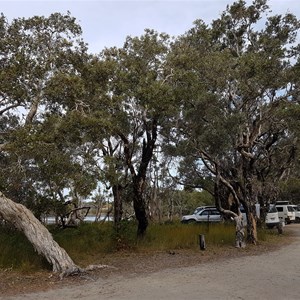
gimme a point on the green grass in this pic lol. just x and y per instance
(18, 253)
(179, 236)
(90, 241)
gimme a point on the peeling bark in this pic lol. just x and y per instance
(251, 228)
(38, 235)
(239, 232)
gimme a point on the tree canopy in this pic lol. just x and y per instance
(237, 88)
(221, 100)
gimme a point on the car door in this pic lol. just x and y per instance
(214, 215)
(203, 216)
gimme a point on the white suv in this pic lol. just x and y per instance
(208, 214)
(272, 217)
(297, 213)
(286, 213)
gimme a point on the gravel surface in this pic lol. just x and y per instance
(238, 274)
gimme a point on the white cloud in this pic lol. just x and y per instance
(108, 22)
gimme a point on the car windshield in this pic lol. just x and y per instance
(272, 209)
(196, 210)
(290, 208)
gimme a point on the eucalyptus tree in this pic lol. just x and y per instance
(90, 123)
(32, 51)
(235, 82)
(143, 100)
(122, 97)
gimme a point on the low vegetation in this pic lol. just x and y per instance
(89, 242)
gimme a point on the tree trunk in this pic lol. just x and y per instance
(118, 207)
(38, 235)
(139, 178)
(239, 232)
(251, 228)
(139, 206)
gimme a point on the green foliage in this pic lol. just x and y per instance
(290, 191)
(125, 237)
(193, 199)
(224, 96)
(238, 94)
(42, 151)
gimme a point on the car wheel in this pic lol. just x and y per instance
(191, 221)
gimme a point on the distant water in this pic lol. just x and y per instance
(51, 219)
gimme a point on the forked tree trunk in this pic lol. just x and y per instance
(139, 177)
(38, 235)
(139, 205)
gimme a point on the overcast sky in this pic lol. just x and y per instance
(106, 23)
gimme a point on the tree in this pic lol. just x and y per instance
(41, 239)
(118, 99)
(235, 81)
(31, 52)
(141, 98)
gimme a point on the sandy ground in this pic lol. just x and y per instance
(272, 275)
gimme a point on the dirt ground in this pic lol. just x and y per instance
(167, 275)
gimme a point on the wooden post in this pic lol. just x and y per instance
(202, 242)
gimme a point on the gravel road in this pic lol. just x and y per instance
(274, 275)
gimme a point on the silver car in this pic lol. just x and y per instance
(210, 214)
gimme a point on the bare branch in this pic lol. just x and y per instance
(8, 108)
(32, 112)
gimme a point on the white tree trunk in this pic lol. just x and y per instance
(239, 231)
(41, 239)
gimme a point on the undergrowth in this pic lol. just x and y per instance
(91, 240)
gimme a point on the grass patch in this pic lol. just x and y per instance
(85, 241)
(18, 253)
(179, 236)
(90, 241)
